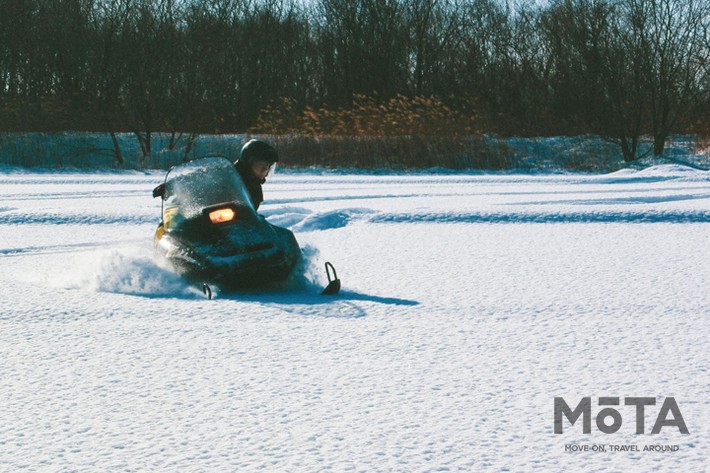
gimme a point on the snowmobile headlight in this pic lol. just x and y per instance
(222, 215)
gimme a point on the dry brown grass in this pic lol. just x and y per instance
(368, 116)
(400, 133)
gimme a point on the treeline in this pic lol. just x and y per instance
(618, 68)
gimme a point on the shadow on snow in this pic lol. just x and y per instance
(342, 305)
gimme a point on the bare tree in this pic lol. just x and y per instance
(672, 39)
(151, 60)
(273, 38)
(598, 69)
(107, 70)
(363, 48)
(435, 34)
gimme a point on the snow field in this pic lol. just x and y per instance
(468, 304)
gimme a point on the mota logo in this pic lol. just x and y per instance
(668, 416)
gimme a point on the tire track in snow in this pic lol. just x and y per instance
(58, 179)
(670, 216)
(647, 199)
(17, 218)
(73, 195)
(66, 248)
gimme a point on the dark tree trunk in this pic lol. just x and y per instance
(117, 149)
(188, 146)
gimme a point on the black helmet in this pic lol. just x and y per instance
(257, 150)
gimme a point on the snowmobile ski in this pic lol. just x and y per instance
(333, 286)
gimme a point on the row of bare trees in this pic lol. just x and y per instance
(619, 68)
(631, 66)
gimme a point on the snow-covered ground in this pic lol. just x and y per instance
(469, 303)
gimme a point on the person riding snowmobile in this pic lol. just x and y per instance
(256, 159)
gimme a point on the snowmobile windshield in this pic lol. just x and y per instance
(196, 185)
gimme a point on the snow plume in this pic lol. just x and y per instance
(307, 275)
(126, 272)
(133, 272)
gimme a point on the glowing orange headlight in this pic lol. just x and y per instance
(222, 215)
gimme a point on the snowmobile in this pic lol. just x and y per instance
(211, 234)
